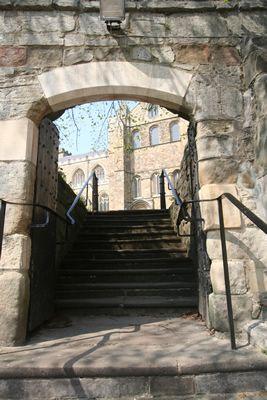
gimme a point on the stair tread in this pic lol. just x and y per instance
(128, 271)
(147, 301)
(176, 284)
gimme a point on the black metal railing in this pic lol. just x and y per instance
(184, 215)
(49, 211)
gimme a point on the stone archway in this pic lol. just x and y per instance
(64, 87)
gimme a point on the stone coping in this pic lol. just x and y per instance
(142, 5)
(88, 346)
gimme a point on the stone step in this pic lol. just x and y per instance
(130, 212)
(126, 229)
(91, 254)
(80, 293)
(130, 271)
(128, 263)
(114, 236)
(128, 302)
(124, 277)
(128, 244)
(105, 222)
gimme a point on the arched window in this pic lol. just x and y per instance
(175, 177)
(100, 173)
(153, 110)
(154, 135)
(136, 186)
(136, 140)
(78, 178)
(155, 184)
(175, 131)
(103, 202)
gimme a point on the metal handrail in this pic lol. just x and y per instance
(77, 198)
(249, 214)
(48, 210)
(174, 193)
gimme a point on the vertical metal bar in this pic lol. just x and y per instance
(95, 193)
(2, 222)
(162, 191)
(226, 276)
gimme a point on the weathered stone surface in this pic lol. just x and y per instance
(167, 386)
(257, 333)
(165, 55)
(12, 56)
(237, 277)
(16, 189)
(143, 26)
(256, 273)
(45, 57)
(261, 142)
(16, 253)
(217, 170)
(141, 53)
(66, 4)
(215, 147)
(236, 249)
(38, 22)
(231, 103)
(260, 92)
(194, 25)
(254, 65)
(28, 4)
(90, 24)
(77, 55)
(242, 308)
(209, 210)
(14, 289)
(205, 54)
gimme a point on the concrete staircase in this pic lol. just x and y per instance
(127, 259)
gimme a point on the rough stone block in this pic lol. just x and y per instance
(164, 54)
(66, 4)
(17, 180)
(197, 26)
(141, 53)
(19, 140)
(214, 128)
(44, 57)
(16, 252)
(236, 383)
(260, 92)
(255, 64)
(235, 247)
(12, 56)
(257, 277)
(206, 54)
(171, 386)
(77, 55)
(236, 273)
(209, 210)
(242, 309)
(217, 170)
(261, 142)
(90, 24)
(50, 21)
(14, 293)
(231, 103)
(215, 147)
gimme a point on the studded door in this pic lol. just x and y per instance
(42, 270)
(201, 256)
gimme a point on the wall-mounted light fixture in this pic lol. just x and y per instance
(112, 12)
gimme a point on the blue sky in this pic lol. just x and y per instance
(84, 128)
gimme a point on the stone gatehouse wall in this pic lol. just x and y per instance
(204, 59)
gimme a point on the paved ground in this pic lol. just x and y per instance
(81, 345)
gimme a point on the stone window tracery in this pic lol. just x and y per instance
(175, 132)
(136, 140)
(155, 184)
(103, 202)
(153, 111)
(136, 186)
(78, 178)
(154, 135)
(100, 173)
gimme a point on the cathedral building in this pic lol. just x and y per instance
(141, 142)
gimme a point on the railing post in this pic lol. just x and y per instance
(95, 193)
(226, 276)
(162, 191)
(2, 222)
